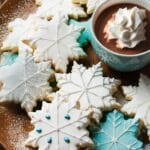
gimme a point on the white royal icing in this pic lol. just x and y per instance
(88, 89)
(93, 4)
(140, 101)
(56, 41)
(147, 147)
(17, 30)
(48, 8)
(58, 128)
(90, 4)
(25, 81)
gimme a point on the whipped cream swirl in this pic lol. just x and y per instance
(127, 27)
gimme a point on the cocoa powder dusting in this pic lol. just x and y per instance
(14, 123)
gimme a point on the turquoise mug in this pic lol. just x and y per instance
(117, 61)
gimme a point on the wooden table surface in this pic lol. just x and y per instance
(18, 127)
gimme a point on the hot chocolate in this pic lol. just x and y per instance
(109, 14)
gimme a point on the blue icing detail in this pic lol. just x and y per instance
(39, 130)
(117, 133)
(8, 59)
(86, 35)
(67, 117)
(66, 139)
(49, 140)
(48, 117)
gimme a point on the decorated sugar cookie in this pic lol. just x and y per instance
(56, 41)
(91, 4)
(140, 101)
(116, 133)
(57, 127)
(86, 35)
(17, 30)
(7, 59)
(12, 41)
(147, 147)
(25, 81)
(88, 89)
(48, 8)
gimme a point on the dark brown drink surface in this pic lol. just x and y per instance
(102, 21)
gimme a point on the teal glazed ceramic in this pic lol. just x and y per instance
(120, 62)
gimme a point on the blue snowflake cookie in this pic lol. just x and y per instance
(117, 133)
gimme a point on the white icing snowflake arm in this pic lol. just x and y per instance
(140, 104)
(88, 89)
(56, 41)
(48, 8)
(17, 30)
(56, 127)
(93, 4)
(39, 2)
(12, 41)
(25, 82)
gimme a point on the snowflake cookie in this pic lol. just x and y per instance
(17, 30)
(91, 4)
(56, 127)
(88, 89)
(116, 133)
(48, 8)
(86, 35)
(140, 101)
(56, 41)
(147, 147)
(7, 59)
(25, 81)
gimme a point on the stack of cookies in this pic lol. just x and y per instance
(39, 50)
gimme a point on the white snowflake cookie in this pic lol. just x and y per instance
(88, 89)
(91, 4)
(56, 127)
(48, 8)
(25, 82)
(17, 30)
(140, 101)
(56, 41)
